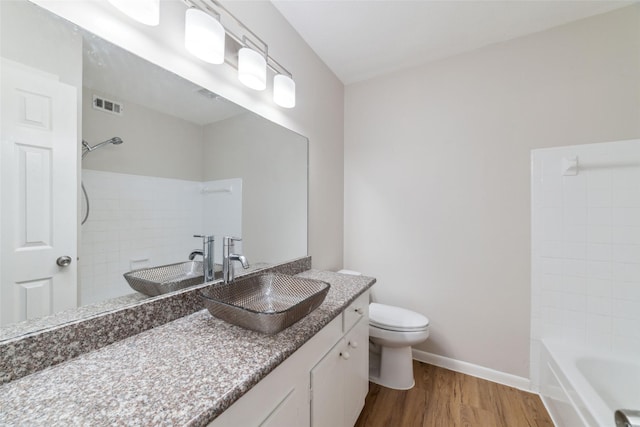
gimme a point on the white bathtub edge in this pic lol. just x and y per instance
(478, 371)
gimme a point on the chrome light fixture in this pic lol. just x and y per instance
(252, 69)
(207, 26)
(204, 36)
(144, 11)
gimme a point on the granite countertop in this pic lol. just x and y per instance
(182, 373)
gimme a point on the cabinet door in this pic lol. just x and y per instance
(287, 413)
(356, 374)
(327, 391)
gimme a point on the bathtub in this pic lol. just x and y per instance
(584, 387)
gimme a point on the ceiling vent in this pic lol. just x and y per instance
(107, 105)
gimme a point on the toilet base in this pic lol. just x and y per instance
(394, 368)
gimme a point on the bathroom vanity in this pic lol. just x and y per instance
(199, 370)
(324, 383)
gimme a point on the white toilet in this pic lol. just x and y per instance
(392, 332)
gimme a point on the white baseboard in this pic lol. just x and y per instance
(467, 368)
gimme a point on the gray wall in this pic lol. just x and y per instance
(43, 44)
(437, 161)
(155, 144)
(274, 187)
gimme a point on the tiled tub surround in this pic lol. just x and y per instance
(183, 373)
(33, 352)
(142, 221)
(586, 248)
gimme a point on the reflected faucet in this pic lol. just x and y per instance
(207, 256)
(228, 257)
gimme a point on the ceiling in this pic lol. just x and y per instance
(124, 77)
(361, 39)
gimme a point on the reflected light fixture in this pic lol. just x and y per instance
(284, 91)
(204, 36)
(252, 68)
(144, 11)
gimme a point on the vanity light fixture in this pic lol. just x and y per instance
(252, 68)
(144, 11)
(253, 61)
(204, 36)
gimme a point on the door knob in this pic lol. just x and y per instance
(63, 261)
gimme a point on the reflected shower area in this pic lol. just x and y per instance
(86, 149)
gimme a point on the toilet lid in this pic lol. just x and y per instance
(396, 318)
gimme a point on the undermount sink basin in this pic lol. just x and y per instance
(266, 303)
(168, 278)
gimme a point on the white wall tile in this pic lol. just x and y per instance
(626, 253)
(599, 287)
(599, 197)
(626, 272)
(626, 290)
(574, 284)
(599, 216)
(574, 233)
(574, 267)
(625, 235)
(599, 234)
(627, 309)
(626, 216)
(599, 305)
(599, 269)
(599, 252)
(590, 294)
(626, 197)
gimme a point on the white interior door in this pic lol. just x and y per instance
(38, 194)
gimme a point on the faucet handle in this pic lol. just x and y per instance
(205, 237)
(228, 239)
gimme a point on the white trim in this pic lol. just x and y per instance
(510, 380)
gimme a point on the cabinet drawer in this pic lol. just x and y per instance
(357, 310)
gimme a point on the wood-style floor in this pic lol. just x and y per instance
(444, 398)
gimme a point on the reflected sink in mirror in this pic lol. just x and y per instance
(267, 303)
(168, 278)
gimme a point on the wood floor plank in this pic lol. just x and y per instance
(444, 398)
(471, 416)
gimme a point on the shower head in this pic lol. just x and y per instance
(116, 140)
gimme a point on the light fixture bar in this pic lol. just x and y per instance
(215, 7)
(253, 57)
(276, 67)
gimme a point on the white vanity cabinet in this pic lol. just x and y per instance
(324, 383)
(340, 381)
(356, 376)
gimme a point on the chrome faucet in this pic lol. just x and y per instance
(207, 256)
(228, 257)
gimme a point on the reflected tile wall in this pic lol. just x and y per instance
(134, 222)
(586, 247)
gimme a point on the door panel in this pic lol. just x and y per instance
(38, 194)
(327, 391)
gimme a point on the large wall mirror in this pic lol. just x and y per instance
(116, 163)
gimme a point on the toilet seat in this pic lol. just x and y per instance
(396, 319)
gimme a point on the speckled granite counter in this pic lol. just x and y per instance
(182, 373)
